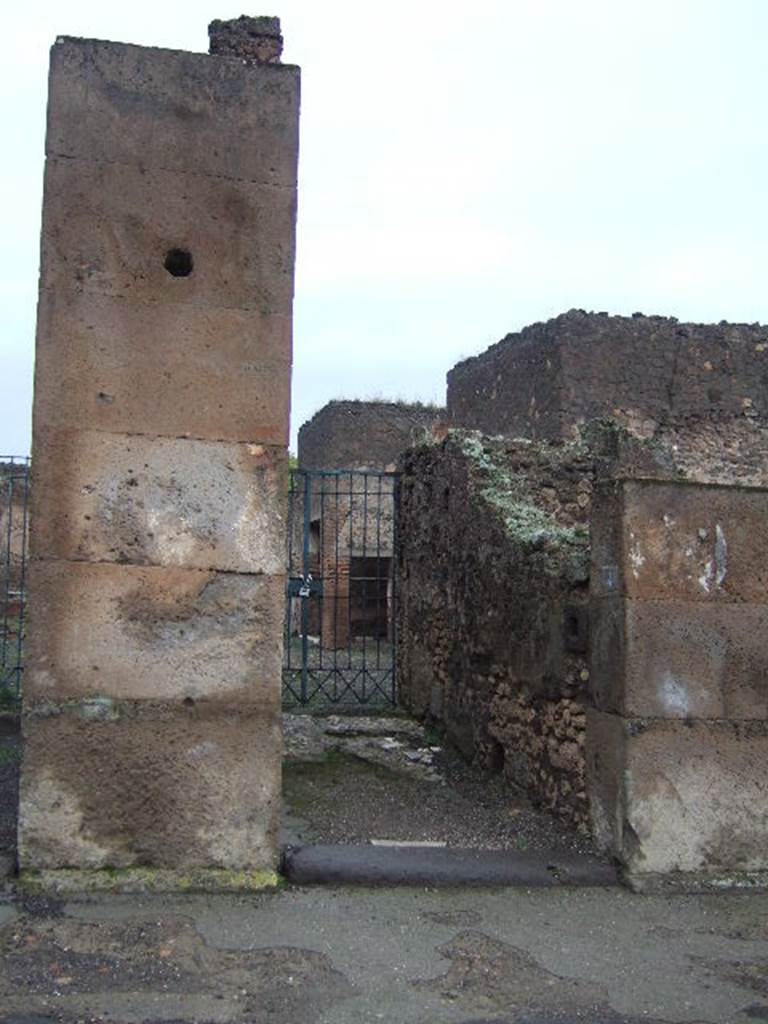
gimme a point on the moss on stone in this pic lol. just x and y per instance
(509, 495)
(146, 879)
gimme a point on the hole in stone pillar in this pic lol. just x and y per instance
(494, 757)
(179, 262)
(576, 628)
(188, 702)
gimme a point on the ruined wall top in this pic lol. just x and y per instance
(173, 110)
(256, 39)
(364, 435)
(644, 372)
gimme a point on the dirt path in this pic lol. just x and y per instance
(348, 780)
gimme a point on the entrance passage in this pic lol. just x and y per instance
(340, 609)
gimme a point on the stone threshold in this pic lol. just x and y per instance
(441, 867)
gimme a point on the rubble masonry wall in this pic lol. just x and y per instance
(492, 645)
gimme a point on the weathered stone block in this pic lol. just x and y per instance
(604, 755)
(117, 631)
(162, 369)
(117, 785)
(644, 373)
(680, 542)
(672, 659)
(364, 435)
(164, 335)
(136, 500)
(674, 798)
(173, 110)
(256, 38)
(111, 229)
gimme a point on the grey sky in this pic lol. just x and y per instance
(465, 170)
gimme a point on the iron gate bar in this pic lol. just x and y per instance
(341, 553)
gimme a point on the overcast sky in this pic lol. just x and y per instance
(465, 169)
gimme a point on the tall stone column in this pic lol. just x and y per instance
(152, 688)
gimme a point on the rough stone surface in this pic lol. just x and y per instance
(313, 956)
(681, 796)
(174, 369)
(173, 110)
(160, 501)
(109, 227)
(256, 39)
(158, 572)
(675, 541)
(364, 435)
(493, 565)
(645, 373)
(154, 786)
(152, 634)
(676, 755)
(675, 659)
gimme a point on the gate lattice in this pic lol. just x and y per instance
(14, 504)
(340, 631)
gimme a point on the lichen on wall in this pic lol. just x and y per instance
(494, 561)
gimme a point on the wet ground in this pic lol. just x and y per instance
(407, 956)
(354, 780)
(398, 956)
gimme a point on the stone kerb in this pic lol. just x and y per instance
(151, 705)
(678, 739)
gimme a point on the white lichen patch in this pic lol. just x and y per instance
(707, 577)
(636, 556)
(721, 556)
(509, 495)
(51, 820)
(673, 695)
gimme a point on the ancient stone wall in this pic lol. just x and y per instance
(678, 739)
(654, 376)
(493, 562)
(152, 687)
(364, 435)
(667, 425)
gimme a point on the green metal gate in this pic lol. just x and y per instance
(340, 621)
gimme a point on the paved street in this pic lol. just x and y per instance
(405, 956)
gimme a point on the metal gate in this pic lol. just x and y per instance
(340, 622)
(14, 504)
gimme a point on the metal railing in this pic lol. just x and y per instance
(340, 622)
(14, 519)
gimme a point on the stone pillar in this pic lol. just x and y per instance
(678, 741)
(152, 689)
